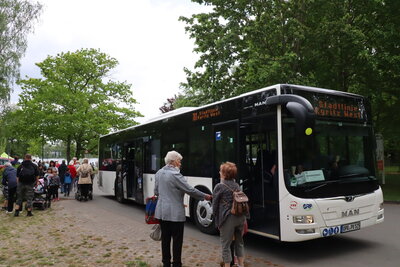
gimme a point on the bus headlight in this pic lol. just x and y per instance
(303, 219)
(381, 206)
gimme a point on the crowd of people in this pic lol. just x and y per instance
(170, 188)
(20, 180)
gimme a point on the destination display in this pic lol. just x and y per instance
(339, 106)
(334, 109)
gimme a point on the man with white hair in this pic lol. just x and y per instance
(170, 187)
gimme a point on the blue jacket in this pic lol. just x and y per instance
(67, 179)
(10, 177)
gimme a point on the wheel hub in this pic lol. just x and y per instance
(204, 213)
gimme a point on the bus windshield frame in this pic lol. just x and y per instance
(336, 160)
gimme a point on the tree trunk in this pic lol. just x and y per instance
(68, 149)
(78, 149)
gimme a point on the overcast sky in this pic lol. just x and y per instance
(145, 36)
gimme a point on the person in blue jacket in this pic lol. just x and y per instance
(67, 182)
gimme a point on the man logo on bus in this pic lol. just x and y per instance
(293, 205)
(350, 212)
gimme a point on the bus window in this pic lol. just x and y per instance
(199, 151)
(152, 156)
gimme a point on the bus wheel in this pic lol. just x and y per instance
(119, 192)
(202, 213)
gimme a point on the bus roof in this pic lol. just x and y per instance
(183, 110)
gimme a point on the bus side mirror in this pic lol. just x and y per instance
(304, 119)
(300, 108)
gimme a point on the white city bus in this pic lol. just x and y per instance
(305, 157)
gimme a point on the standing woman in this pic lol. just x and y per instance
(230, 226)
(170, 187)
(85, 172)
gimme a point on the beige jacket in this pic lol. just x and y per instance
(84, 172)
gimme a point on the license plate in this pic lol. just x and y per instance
(350, 227)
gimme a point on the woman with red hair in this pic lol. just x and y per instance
(229, 225)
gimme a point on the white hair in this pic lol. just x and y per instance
(172, 156)
(7, 164)
(71, 162)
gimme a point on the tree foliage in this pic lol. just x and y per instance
(16, 21)
(10, 139)
(345, 45)
(75, 101)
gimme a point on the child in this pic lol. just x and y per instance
(67, 183)
(54, 184)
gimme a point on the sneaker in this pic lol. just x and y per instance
(16, 214)
(8, 212)
(29, 213)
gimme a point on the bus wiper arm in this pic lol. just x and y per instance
(350, 175)
(321, 185)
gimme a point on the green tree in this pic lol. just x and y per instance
(16, 21)
(10, 139)
(344, 45)
(75, 101)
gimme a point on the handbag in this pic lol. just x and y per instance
(151, 203)
(156, 232)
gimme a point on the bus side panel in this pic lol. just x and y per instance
(204, 182)
(106, 182)
(148, 185)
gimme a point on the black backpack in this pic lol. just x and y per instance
(27, 173)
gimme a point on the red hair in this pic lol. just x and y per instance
(229, 170)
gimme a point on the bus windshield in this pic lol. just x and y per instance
(336, 160)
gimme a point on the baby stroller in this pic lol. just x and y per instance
(78, 193)
(41, 196)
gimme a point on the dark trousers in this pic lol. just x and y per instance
(12, 193)
(174, 231)
(67, 189)
(54, 191)
(84, 189)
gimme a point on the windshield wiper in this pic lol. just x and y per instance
(321, 185)
(351, 175)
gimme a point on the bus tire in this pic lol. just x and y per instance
(202, 214)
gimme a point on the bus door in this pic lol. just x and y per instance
(259, 167)
(133, 167)
(225, 145)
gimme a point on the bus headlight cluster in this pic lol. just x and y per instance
(381, 206)
(303, 219)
